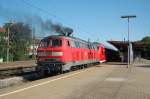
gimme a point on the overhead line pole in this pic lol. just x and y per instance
(8, 44)
(8, 40)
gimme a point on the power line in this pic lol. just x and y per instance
(36, 7)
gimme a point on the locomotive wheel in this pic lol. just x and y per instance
(85, 66)
(41, 73)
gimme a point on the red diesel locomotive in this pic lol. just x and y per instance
(59, 53)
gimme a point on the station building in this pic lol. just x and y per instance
(140, 49)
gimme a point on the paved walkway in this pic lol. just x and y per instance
(101, 82)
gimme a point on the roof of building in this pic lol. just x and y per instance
(2, 30)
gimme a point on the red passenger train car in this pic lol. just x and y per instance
(59, 53)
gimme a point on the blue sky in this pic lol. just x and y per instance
(94, 19)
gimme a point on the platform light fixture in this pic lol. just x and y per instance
(128, 17)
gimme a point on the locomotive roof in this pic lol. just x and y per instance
(68, 37)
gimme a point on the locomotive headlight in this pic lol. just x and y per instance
(57, 53)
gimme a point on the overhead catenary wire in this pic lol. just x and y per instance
(53, 15)
(36, 7)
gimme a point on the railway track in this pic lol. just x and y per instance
(16, 68)
(5, 73)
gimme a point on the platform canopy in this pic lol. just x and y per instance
(137, 45)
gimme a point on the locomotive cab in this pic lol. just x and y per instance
(50, 55)
(50, 50)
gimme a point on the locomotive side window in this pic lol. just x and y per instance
(72, 43)
(90, 46)
(68, 43)
(77, 44)
(87, 46)
(93, 47)
(81, 45)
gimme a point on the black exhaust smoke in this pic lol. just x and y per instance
(35, 21)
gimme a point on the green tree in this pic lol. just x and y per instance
(146, 39)
(20, 39)
(3, 45)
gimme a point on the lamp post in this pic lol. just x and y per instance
(128, 17)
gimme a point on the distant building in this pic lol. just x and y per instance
(32, 49)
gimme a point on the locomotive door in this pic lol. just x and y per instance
(69, 51)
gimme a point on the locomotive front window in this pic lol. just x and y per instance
(55, 42)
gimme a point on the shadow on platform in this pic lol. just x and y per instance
(146, 66)
(116, 63)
